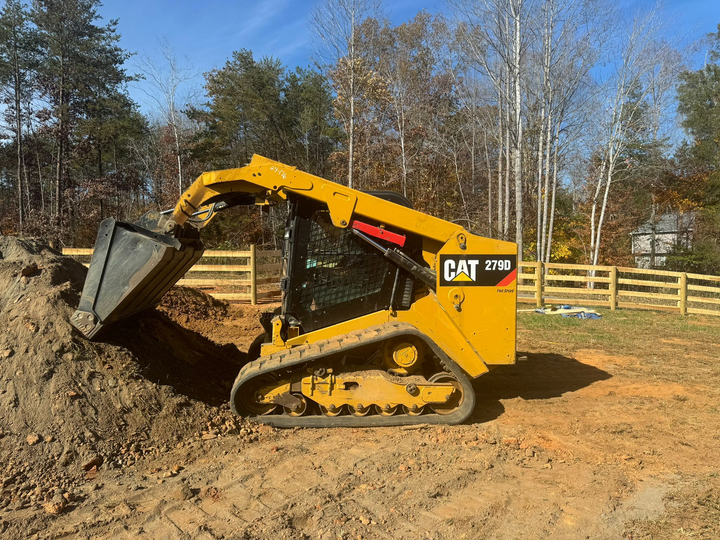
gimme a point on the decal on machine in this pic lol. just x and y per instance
(477, 270)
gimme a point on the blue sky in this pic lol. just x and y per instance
(206, 33)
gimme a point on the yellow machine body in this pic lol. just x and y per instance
(481, 333)
(460, 319)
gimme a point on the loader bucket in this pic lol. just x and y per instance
(132, 267)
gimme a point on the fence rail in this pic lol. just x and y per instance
(538, 283)
(617, 286)
(222, 280)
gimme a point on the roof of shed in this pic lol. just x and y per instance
(668, 223)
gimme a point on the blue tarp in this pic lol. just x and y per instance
(572, 311)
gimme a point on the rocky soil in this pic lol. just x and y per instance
(70, 408)
(609, 430)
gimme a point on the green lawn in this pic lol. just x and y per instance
(622, 331)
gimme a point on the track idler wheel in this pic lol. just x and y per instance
(413, 411)
(250, 400)
(359, 410)
(299, 409)
(455, 398)
(331, 411)
(386, 410)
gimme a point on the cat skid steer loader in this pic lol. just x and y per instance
(387, 313)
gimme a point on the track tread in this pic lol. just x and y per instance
(302, 354)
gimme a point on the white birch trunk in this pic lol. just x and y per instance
(517, 6)
(540, 149)
(548, 247)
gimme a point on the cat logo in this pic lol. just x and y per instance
(462, 270)
(477, 270)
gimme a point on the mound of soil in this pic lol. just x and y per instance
(187, 306)
(70, 407)
(197, 311)
(222, 323)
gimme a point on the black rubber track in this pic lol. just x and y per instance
(310, 353)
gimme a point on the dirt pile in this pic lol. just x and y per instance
(222, 323)
(191, 306)
(197, 311)
(69, 407)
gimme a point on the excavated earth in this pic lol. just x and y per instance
(610, 429)
(70, 408)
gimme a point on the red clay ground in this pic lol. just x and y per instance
(609, 430)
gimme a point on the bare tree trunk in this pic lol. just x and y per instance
(18, 129)
(501, 145)
(39, 167)
(653, 236)
(177, 152)
(401, 134)
(608, 170)
(546, 189)
(608, 181)
(516, 8)
(26, 179)
(351, 134)
(548, 247)
(538, 236)
(490, 183)
(596, 199)
(58, 174)
(351, 129)
(472, 162)
(457, 176)
(42, 191)
(549, 9)
(506, 219)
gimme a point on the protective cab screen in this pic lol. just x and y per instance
(477, 270)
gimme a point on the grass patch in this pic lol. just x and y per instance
(624, 331)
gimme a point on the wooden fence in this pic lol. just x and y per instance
(605, 286)
(613, 287)
(222, 275)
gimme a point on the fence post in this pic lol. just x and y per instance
(613, 287)
(538, 284)
(683, 293)
(253, 275)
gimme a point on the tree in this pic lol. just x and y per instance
(639, 50)
(258, 106)
(167, 81)
(18, 44)
(572, 35)
(310, 104)
(699, 103)
(80, 62)
(496, 38)
(407, 61)
(336, 26)
(698, 163)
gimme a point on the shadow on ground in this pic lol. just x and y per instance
(168, 354)
(541, 376)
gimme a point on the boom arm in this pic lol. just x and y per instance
(271, 181)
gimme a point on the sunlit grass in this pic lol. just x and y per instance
(627, 331)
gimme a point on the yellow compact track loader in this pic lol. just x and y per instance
(387, 313)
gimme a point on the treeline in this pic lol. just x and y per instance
(548, 123)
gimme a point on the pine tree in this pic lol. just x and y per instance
(17, 59)
(699, 102)
(81, 64)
